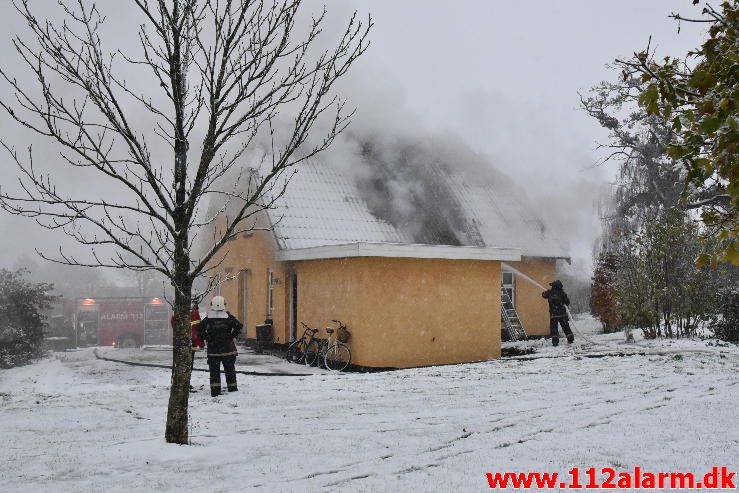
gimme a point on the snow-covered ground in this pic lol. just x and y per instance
(75, 423)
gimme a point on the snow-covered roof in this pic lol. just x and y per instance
(328, 205)
(321, 208)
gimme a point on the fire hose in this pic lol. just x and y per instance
(169, 367)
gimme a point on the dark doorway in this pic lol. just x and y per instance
(243, 297)
(293, 306)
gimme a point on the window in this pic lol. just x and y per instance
(509, 286)
(156, 323)
(217, 285)
(270, 297)
(507, 278)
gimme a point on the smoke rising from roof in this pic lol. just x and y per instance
(465, 75)
(432, 185)
(407, 190)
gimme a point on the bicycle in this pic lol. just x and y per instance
(297, 349)
(314, 350)
(337, 356)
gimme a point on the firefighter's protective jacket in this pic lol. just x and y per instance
(197, 341)
(557, 299)
(219, 333)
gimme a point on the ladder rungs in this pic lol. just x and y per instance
(513, 327)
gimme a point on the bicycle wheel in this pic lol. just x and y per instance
(338, 357)
(296, 351)
(311, 353)
(321, 356)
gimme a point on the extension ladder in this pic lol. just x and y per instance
(511, 323)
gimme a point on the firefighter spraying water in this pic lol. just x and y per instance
(558, 314)
(641, 349)
(566, 307)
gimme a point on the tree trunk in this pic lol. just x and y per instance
(179, 397)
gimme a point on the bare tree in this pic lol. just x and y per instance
(224, 70)
(648, 180)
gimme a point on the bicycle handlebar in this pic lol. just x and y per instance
(341, 324)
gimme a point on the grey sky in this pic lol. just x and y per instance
(503, 76)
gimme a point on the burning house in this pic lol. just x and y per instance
(408, 249)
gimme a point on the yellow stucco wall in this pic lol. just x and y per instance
(405, 312)
(427, 311)
(255, 254)
(328, 289)
(531, 307)
(401, 312)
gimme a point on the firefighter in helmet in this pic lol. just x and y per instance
(218, 329)
(558, 302)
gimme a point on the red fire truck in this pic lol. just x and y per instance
(120, 322)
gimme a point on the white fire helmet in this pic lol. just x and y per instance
(218, 304)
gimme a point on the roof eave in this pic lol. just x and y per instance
(547, 256)
(398, 250)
